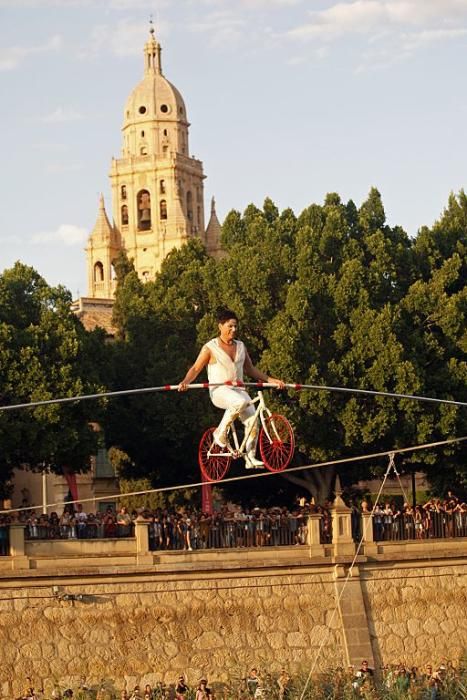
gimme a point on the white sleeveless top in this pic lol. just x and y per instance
(224, 369)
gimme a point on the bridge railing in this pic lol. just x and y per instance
(434, 525)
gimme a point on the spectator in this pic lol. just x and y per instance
(181, 688)
(203, 692)
(252, 682)
(123, 523)
(81, 519)
(284, 685)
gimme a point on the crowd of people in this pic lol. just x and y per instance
(398, 681)
(436, 518)
(185, 529)
(190, 529)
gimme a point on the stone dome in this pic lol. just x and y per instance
(154, 97)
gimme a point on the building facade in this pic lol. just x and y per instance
(157, 186)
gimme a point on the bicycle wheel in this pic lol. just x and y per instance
(276, 443)
(214, 461)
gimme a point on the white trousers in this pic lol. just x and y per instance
(236, 403)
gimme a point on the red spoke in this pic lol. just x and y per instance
(277, 443)
(213, 460)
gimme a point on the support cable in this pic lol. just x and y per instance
(317, 465)
(367, 522)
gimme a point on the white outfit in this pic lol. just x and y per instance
(234, 400)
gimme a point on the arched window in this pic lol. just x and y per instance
(143, 151)
(163, 209)
(123, 191)
(98, 272)
(124, 215)
(189, 205)
(143, 201)
(162, 186)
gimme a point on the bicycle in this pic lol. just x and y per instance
(276, 444)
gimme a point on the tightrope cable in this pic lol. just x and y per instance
(207, 385)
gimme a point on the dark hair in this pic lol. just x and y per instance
(224, 314)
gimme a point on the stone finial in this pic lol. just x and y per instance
(337, 486)
(339, 503)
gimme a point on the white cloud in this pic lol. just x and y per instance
(51, 147)
(68, 234)
(224, 27)
(392, 29)
(110, 4)
(62, 114)
(415, 40)
(247, 4)
(368, 16)
(60, 167)
(123, 38)
(13, 56)
(10, 238)
(138, 5)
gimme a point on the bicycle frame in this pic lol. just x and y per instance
(238, 450)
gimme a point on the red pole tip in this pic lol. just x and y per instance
(298, 387)
(167, 387)
(229, 383)
(205, 385)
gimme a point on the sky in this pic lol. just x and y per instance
(288, 99)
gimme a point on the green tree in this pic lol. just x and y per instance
(158, 341)
(334, 297)
(45, 353)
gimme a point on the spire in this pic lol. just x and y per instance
(102, 229)
(213, 232)
(152, 53)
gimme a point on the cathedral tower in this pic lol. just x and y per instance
(157, 187)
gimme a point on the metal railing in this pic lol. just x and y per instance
(219, 534)
(428, 525)
(77, 531)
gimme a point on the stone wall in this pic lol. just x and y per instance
(149, 628)
(220, 613)
(416, 613)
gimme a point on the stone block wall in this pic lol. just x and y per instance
(416, 614)
(144, 624)
(152, 629)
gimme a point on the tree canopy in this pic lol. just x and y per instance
(45, 353)
(334, 296)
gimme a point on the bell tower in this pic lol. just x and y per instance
(157, 186)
